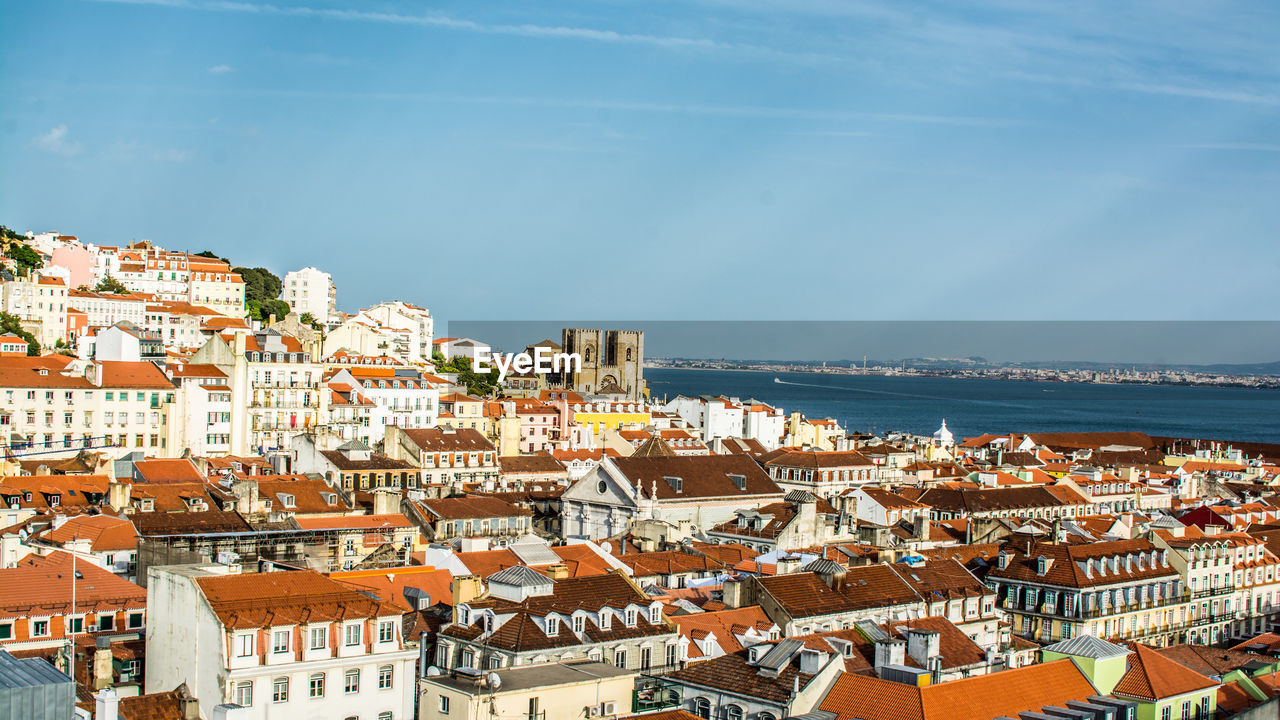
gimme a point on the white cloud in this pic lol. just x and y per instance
(220, 69)
(55, 141)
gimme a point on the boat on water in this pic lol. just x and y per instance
(777, 380)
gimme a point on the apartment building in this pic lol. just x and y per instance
(1233, 580)
(275, 387)
(447, 457)
(59, 405)
(826, 596)
(41, 609)
(1126, 589)
(106, 309)
(821, 472)
(201, 418)
(310, 290)
(282, 645)
(531, 619)
(41, 304)
(704, 490)
(401, 396)
(212, 284)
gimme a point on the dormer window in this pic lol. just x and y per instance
(606, 619)
(655, 615)
(631, 617)
(286, 500)
(579, 624)
(676, 483)
(553, 626)
(331, 498)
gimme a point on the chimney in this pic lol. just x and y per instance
(386, 502)
(465, 588)
(890, 652)
(103, 672)
(559, 571)
(920, 528)
(190, 708)
(923, 645)
(118, 494)
(106, 705)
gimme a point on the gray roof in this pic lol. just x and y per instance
(519, 576)
(354, 445)
(1087, 646)
(1166, 521)
(800, 496)
(823, 565)
(781, 654)
(29, 672)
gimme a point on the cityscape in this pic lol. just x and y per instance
(709, 360)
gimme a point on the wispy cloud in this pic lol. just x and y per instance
(1238, 96)
(55, 140)
(832, 133)
(531, 30)
(220, 69)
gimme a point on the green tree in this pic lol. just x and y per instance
(260, 284)
(24, 257)
(109, 284)
(482, 385)
(263, 309)
(308, 319)
(11, 324)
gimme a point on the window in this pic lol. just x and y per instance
(77, 624)
(244, 694)
(280, 690)
(384, 677)
(244, 645)
(318, 638)
(733, 712)
(280, 641)
(6, 631)
(384, 715)
(351, 682)
(444, 705)
(39, 628)
(1166, 713)
(316, 685)
(672, 654)
(386, 631)
(553, 626)
(353, 635)
(620, 657)
(702, 708)
(579, 624)
(135, 621)
(655, 615)
(765, 716)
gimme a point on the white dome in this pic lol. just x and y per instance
(944, 436)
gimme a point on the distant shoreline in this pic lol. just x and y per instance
(1076, 377)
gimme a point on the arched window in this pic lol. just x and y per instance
(765, 716)
(628, 354)
(732, 712)
(702, 708)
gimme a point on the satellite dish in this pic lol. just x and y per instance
(433, 671)
(495, 682)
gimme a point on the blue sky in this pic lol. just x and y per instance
(722, 159)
